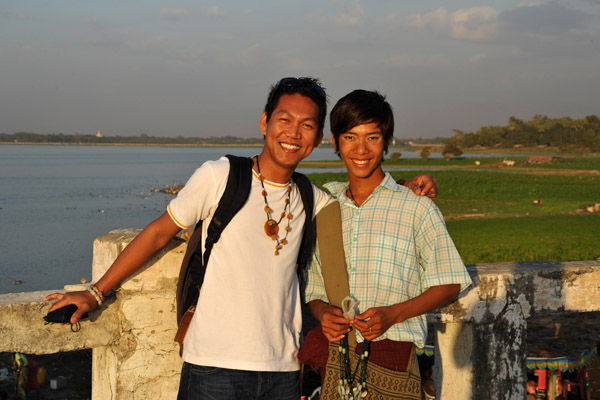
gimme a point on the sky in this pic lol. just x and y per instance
(196, 68)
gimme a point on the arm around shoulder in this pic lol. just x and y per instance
(422, 185)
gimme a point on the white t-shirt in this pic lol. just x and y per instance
(248, 315)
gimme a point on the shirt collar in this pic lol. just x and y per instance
(338, 189)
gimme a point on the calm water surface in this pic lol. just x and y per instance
(55, 200)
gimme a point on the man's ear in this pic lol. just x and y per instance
(333, 142)
(319, 138)
(263, 123)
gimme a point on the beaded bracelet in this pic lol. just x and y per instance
(98, 291)
(98, 299)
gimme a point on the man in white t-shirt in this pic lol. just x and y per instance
(244, 337)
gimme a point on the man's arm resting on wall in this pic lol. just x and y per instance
(153, 238)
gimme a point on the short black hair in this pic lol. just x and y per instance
(362, 107)
(305, 86)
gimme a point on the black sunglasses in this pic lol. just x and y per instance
(295, 82)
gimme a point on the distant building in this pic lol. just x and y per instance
(99, 134)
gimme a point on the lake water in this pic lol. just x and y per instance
(55, 200)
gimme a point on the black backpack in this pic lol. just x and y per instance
(235, 195)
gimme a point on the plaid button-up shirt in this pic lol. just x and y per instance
(397, 247)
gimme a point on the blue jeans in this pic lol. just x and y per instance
(211, 383)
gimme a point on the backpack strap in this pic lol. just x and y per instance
(237, 190)
(308, 200)
(235, 195)
(193, 267)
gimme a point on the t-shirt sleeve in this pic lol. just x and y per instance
(437, 253)
(200, 196)
(315, 287)
(322, 199)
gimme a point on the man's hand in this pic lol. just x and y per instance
(375, 322)
(84, 301)
(154, 237)
(423, 185)
(333, 322)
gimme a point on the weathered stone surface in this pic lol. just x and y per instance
(145, 362)
(480, 338)
(541, 286)
(453, 369)
(159, 271)
(22, 327)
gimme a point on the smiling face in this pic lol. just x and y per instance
(361, 149)
(291, 134)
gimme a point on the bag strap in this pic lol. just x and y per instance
(308, 201)
(194, 263)
(237, 190)
(235, 195)
(333, 258)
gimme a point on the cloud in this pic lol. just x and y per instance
(93, 23)
(476, 23)
(416, 61)
(542, 19)
(252, 55)
(215, 11)
(172, 13)
(8, 15)
(91, 20)
(478, 57)
(106, 41)
(352, 14)
(485, 22)
(436, 20)
(186, 59)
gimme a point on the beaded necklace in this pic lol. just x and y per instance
(346, 389)
(272, 226)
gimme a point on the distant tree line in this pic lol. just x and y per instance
(582, 135)
(27, 137)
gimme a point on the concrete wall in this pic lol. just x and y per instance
(144, 361)
(480, 338)
(134, 355)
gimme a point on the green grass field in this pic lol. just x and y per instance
(492, 217)
(558, 238)
(466, 161)
(506, 194)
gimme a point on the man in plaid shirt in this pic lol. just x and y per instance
(401, 261)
